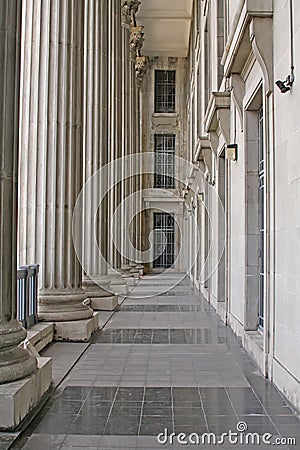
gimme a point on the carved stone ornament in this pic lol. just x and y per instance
(141, 67)
(125, 13)
(129, 9)
(136, 37)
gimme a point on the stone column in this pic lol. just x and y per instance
(126, 122)
(96, 282)
(114, 142)
(15, 362)
(28, 242)
(140, 69)
(114, 119)
(132, 39)
(61, 294)
(136, 42)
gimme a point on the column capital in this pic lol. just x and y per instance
(136, 37)
(125, 14)
(141, 67)
(129, 8)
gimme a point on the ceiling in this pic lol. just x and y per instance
(166, 26)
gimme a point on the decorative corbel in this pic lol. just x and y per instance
(261, 32)
(218, 114)
(223, 118)
(238, 92)
(214, 141)
(207, 158)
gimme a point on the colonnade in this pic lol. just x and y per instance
(70, 105)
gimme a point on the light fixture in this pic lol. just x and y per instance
(285, 85)
(231, 152)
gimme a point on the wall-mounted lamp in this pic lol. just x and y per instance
(231, 152)
(285, 86)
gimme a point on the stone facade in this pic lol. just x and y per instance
(237, 52)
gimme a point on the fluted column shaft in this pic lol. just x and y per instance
(126, 122)
(28, 167)
(114, 121)
(15, 362)
(61, 294)
(95, 145)
(133, 141)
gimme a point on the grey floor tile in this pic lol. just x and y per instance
(160, 361)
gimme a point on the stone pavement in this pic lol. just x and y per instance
(164, 360)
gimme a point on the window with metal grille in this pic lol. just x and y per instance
(164, 91)
(164, 232)
(164, 161)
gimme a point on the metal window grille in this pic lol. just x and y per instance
(164, 233)
(164, 161)
(165, 91)
(261, 209)
(27, 295)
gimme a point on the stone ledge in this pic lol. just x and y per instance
(17, 399)
(104, 303)
(76, 330)
(40, 335)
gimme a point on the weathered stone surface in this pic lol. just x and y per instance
(19, 397)
(77, 330)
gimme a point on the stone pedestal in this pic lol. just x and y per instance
(18, 398)
(99, 294)
(104, 303)
(77, 330)
(117, 283)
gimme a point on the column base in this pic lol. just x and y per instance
(17, 399)
(77, 330)
(118, 284)
(104, 303)
(63, 305)
(135, 273)
(16, 362)
(98, 288)
(130, 280)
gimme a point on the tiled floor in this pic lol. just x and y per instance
(161, 362)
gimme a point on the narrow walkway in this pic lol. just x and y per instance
(164, 360)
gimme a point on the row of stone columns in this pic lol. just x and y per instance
(74, 109)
